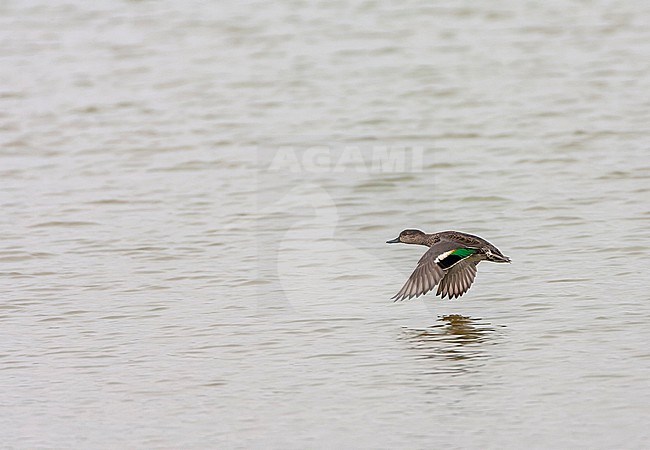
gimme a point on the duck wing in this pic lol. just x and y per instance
(427, 273)
(458, 279)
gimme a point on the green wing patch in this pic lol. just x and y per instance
(464, 252)
(455, 256)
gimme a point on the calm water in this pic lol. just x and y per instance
(195, 201)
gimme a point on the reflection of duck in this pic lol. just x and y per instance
(465, 329)
(456, 338)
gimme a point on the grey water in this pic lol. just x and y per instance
(195, 199)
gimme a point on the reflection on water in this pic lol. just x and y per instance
(454, 338)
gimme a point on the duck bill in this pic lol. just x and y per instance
(393, 241)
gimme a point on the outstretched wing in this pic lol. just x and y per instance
(458, 279)
(427, 273)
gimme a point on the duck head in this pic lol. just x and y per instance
(409, 237)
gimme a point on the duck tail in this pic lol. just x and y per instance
(496, 257)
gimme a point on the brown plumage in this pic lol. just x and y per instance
(450, 263)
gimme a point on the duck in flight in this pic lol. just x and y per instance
(450, 263)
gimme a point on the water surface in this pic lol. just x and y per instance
(195, 203)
